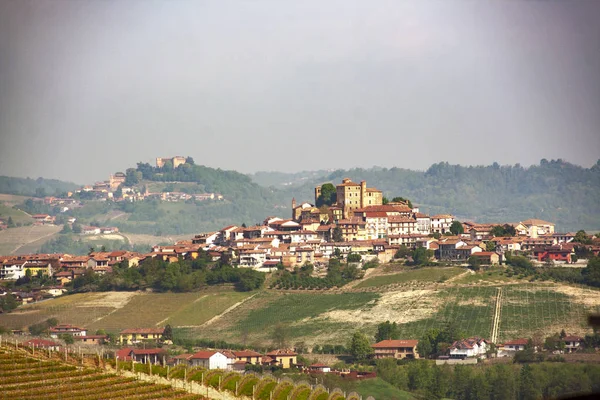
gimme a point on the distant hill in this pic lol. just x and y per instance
(554, 190)
(39, 187)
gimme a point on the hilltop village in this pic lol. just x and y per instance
(323, 244)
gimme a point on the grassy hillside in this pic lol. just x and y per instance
(314, 317)
(34, 187)
(14, 240)
(18, 216)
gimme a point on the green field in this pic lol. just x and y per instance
(115, 311)
(301, 313)
(12, 240)
(436, 274)
(18, 216)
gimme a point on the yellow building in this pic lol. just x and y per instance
(351, 196)
(131, 336)
(36, 267)
(285, 358)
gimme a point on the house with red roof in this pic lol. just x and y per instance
(209, 359)
(67, 329)
(136, 335)
(508, 349)
(572, 343)
(42, 344)
(285, 358)
(396, 349)
(470, 347)
(248, 356)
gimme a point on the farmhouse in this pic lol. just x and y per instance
(131, 336)
(247, 356)
(285, 358)
(209, 360)
(508, 349)
(92, 339)
(572, 343)
(64, 329)
(396, 349)
(152, 356)
(42, 344)
(471, 347)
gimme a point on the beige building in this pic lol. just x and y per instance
(351, 196)
(538, 227)
(396, 349)
(177, 161)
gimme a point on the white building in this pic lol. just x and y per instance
(471, 347)
(209, 360)
(508, 349)
(441, 223)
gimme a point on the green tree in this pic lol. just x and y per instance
(328, 195)
(10, 223)
(280, 336)
(457, 228)
(76, 228)
(421, 256)
(591, 273)
(384, 200)
(8, 303)
(68, 339)
(354, 257)
(402, 200)
(582, 237)
(402, 252)
(168, 333)
(118, 194)
(337, 235)
(66, 229)
(359, 346)
(490, 246)
(527, 385)
(387, 331)
(474, 263)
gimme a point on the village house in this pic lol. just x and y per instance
(285, 358)
(149, 356)
(319, 368)
(441, 223)
(91, 339)
(558, 253)
(247, 356)
(537, 227)
(396, 349)
(508, 349)
(351, 196)
(209, 360)
(423, 223)
(43, 219)
(487, 257)
(471, 347)
(353, 229)
(67, 329)
(132, 336)
(572, 343)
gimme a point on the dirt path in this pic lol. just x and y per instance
(35, 240)
(496, 320)
(233, 307)
(460, 276)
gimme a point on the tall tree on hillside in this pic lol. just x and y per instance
(328, 195)
(387, 331)
(10, 223)
(359, 346)
(280, 336)
(337, 235)
(168, 333)
(457, 228)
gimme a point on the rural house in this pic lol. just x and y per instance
(131, 336)
(396, 349)
(285, 358)
(471, 347)
(209, 360)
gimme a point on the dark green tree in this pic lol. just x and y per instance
(457, 228)
(66, 229)
(387, 331)
(328, 195)
(337, 235)
(280, 336)
(359, 346)
(591, 273)
(168, 333)
(10, 223)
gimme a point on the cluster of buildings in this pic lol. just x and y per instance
(358, 222)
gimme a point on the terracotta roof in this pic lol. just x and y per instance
(319, 365)
(144, 352)
(124, 354)
(384, 344)
(185, 356)
(203, 355)
(246, 353)
(572, 339)
(520, 342)
(535, 221)
(90, 337)
(143, 331)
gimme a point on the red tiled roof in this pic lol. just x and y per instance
(384, 344)
(143, 331)
(203, 355)
(124, 354)
(246, 353)
(519, 342)
(142, 352)
(39, 343)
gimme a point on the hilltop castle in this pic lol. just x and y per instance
(352, 196)
(177, 161)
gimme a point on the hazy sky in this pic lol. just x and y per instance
(92, 87)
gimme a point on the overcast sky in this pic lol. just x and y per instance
(92, 87)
